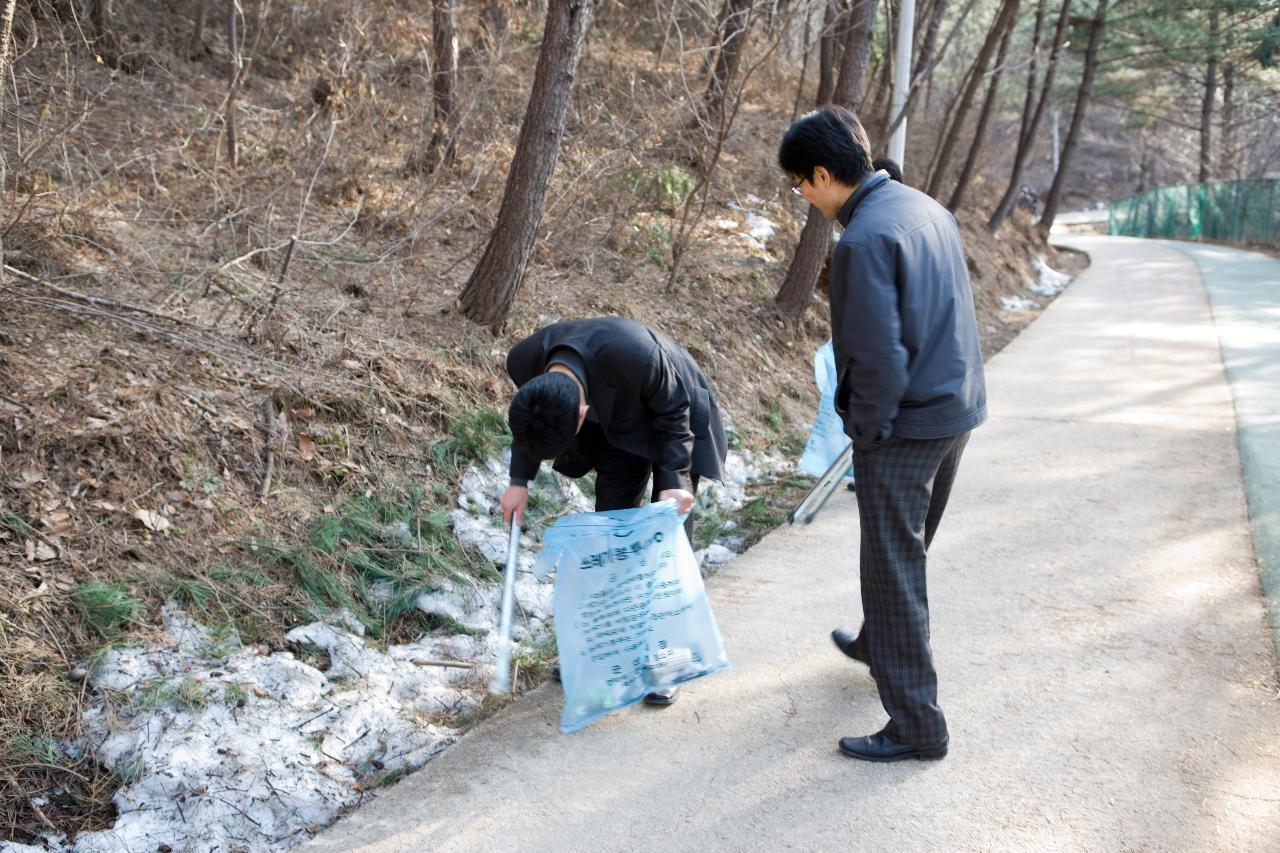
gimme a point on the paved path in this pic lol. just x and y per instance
(1099, 629)
(1244, 289)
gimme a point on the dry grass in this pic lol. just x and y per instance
(157, 360)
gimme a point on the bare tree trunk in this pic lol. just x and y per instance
(1028, 138)
(492, 287)
(1077, 117)
(1206, 106)
(827, 53)
(6, 36)
(796, 293)
(1145, 165)
(1227, 160)
(804, 61)
(924, 56)
(732, 37)
(879, 100)
(197, 32)
(444, 49)
(495, 18)
(952, 135)
(1029, 103)
(234, 45)
(857, 52)
(984, 118)
(100, 14)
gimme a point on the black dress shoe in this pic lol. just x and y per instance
(848, 643)
(662, 698)
(880, 747)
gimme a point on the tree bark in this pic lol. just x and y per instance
(197, 32)
(857, 51)
(796, 293)
(495, 17)
(733, 36)
(1206, 105)
(100, 14)
(492, 287)
(1029, 103)
(1028, 138)
(804, 61)
(1227, 165)
(952, 136)
(984, 118)
(237, 61)
(827, 53)
(1077, 117)
(444, 81)
(6, 36)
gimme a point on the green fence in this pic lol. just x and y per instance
(1222, 211)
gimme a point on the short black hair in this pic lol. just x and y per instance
(543, 415)
(890, 166)
(831, 137)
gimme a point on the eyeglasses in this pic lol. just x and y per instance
(795, 188)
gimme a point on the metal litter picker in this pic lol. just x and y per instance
(817, 497)
(501, 681)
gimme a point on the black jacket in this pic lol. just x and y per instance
(906, 341)
(648, 394)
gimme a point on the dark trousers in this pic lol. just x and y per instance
(622, 478)
(902, 490)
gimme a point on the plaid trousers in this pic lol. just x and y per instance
(902, 490)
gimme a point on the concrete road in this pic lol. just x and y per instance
(1099, 630)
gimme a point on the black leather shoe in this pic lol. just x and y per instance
(880, 747)
(662, 698)
(848, 643)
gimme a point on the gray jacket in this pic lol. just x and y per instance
(902, 320)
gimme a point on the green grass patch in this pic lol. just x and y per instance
(106, 608)
(183, 693)
(374, 556)
(473, 437)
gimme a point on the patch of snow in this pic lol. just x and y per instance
(225, 744)
(1049, 282)
(714, 554)
(1017, 303)
(760, 227)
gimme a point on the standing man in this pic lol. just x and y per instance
(613, 396)
(910, 388)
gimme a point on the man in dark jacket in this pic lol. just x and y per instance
(613, 396)
(910, 388)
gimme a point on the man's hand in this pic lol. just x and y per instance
(683, 499)
(514, 500)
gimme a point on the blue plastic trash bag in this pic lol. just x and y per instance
(827, 439)
(632, 615)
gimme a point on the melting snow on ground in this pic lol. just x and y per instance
(1018, 303)
(224, 746)
(1049, 282)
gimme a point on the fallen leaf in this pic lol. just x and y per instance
(58, 521)
(152, 520)
(307, 447)
(351, 364)
(175, 496)
(40, 552)
(105, 505)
